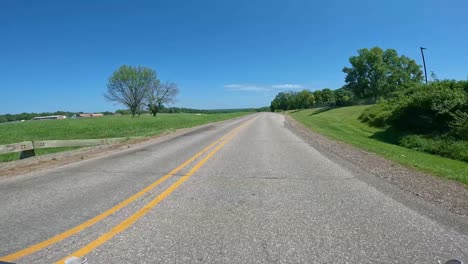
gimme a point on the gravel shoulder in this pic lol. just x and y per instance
(443, 200)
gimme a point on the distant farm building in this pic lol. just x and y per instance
(87, 115)
(49, 117)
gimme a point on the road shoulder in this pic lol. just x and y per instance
(441, 199)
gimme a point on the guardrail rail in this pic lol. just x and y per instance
(27, 148)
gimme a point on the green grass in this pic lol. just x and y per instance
(102, 127)
(342, 124)
(16, 155)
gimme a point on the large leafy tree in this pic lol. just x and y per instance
(377, 73)
(305, 99)
(343, 97)
(281, 102)
(160, 95)
(273, 106)
(318, 97)
(328, 97)
(130, 85)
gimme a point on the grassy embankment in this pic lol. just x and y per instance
(342, 124)
(102, 127)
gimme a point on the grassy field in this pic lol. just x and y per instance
(342, 124)
(102, 127)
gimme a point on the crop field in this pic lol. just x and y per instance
(101, 127)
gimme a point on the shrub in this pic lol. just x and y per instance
(460, 125)
(427, 109)
(343, 97)
(377, 115)
(433, 118)
(445, 147)
(424, 109)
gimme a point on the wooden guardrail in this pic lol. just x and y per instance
(27, 147)
(16, 147)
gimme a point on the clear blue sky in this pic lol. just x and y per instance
(57, 55)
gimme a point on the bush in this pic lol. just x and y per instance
(377, 115)
(445, 147)
(423, 109)
(461, 131)
(433, 118)
(343, 97)
(460, 125)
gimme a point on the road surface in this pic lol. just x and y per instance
(246, 190)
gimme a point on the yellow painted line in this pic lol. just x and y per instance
(31, 249)
(122, 226)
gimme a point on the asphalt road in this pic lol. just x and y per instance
(258, 195)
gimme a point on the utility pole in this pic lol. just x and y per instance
(424, 62)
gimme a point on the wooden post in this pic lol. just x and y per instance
(27, 153)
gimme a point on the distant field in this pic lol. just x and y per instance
(342, 124)
(101, 127)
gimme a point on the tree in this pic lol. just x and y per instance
(281, 102)
(305, 99)
(377, 73)
(273, 106)
(318, 97)
(328, 97)
(161, 95)
(130, 85)
(292, 100)
(434, 77)
(122, 112)
(343, 97)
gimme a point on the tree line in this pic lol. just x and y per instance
(167, 110)
(307, 99)
(373, 75)
(176, 110)
(29, 116)
(171, 110)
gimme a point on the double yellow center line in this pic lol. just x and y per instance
(140, 213)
